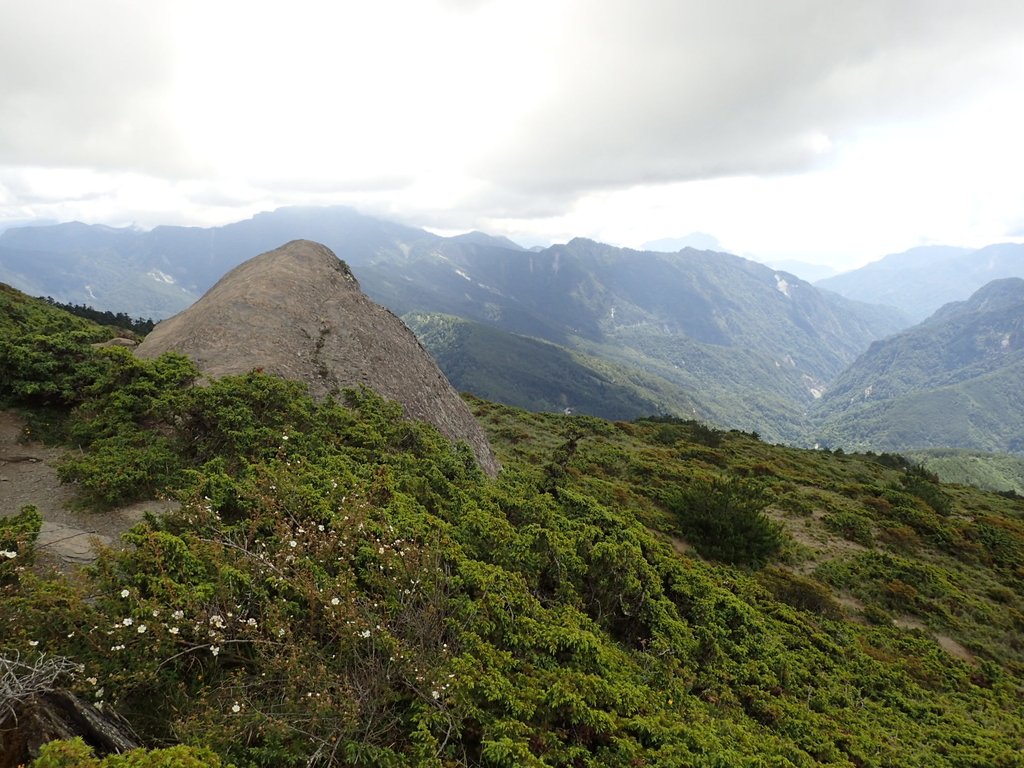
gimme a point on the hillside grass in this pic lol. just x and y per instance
(344, 587)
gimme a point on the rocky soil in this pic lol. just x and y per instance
(28, 475)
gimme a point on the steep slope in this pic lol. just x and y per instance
(541, 376)
(921, 280)
(755, 346)
(952, 381)
(298, 312)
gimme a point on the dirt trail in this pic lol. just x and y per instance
(28, 475)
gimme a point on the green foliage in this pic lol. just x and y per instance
(119, 319)
(725, 521)
(341, 587)
(18, 534)
(75, 753)
(800, 592)
(851, 525)
(992, 471)
(45, 357)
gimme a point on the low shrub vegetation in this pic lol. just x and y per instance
(341, 587)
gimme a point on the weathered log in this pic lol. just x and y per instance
(43, 717)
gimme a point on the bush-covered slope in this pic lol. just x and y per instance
(992, 471)
(541, 376)
(343, 587)
(952, 381)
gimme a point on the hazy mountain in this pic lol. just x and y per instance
(12, 223)
(481, 238)
(803, 269)
(757, 344)
(162, 271)
(921, 280)
(954, 380)
(699, 240)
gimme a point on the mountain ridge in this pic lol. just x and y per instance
(921, 280)
(763, 343)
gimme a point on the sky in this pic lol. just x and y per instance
(827, 131)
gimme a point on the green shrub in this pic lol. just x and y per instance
(850, 526)
(75, 753)
(802, 593)
(723, 519)
(18, 534)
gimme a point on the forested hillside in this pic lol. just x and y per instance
(954, 381)
(342, 587)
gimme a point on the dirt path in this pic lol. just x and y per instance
(28, 475)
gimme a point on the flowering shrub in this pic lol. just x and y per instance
(345, 588)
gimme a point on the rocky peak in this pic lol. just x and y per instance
(298, 312)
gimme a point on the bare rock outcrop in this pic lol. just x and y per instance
(298, 312)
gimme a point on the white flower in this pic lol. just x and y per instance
(236, 708)
(365, 633)
(280, 633)
(435, 694)
(178, 614)
(9, 554)
(91, 680)
(33, 643)
(125, 593)
(293, 543)
(251, 622)
(173, 630)
(128, 622)
(214, 649)
(141, 629)
(335, 601)
(284, 437)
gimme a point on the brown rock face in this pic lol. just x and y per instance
(298, 312)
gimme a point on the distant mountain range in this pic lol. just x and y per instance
(582, 326)
(921, 280)
(954, 380)
(716, 336)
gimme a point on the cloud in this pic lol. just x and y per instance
(668, 91)
(550, 116)
(87, 84)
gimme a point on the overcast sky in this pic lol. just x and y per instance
(833, 131)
